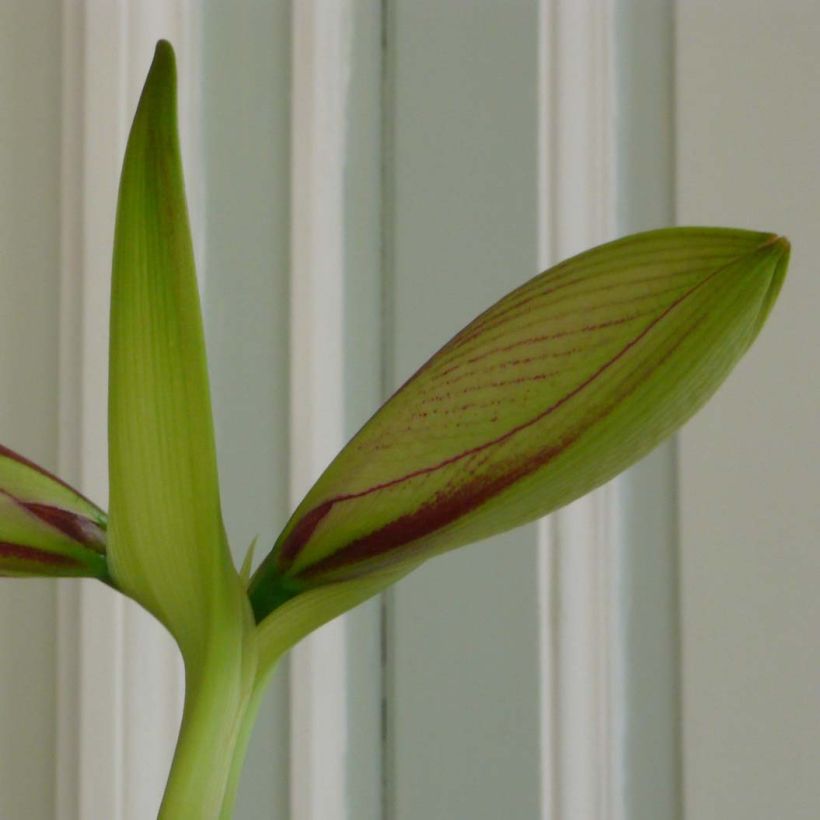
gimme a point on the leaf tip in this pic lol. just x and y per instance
(164, 57)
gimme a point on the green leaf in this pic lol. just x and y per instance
(167, 542)
(551, 392)
(47, 527)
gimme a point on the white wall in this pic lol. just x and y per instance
(748, 133)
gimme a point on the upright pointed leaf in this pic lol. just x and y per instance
(552, 391)
(167, 542)
(47, 527)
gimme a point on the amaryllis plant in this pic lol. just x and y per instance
(551, 392)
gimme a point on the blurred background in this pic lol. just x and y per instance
(364, 177)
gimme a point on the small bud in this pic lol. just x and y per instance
(47, 527)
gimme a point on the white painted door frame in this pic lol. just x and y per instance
(578, 544)
(321, 48)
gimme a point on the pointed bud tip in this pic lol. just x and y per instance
(777, 244)
(779, 248)
(784, 246)
(162, 74)
(164, 53)
(779, 251)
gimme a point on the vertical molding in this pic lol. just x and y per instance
(364, 335)
(119, 678)
(67, 688)
(578, 544)
(461, 128)
(30, 55)
(545, 559)
(321, 70)
(648, 661)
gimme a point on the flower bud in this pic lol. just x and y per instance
(554, 390)
(46, 527)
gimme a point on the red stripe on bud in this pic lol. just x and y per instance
(32, 555)
(76, 527)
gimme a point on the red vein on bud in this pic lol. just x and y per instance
(302, 531)
(37, 556)
(76, 527)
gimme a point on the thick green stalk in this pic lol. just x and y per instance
(219, 705)
(241, 746)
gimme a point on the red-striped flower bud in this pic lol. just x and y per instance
(551, 392)
(46, 527)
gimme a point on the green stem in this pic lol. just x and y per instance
(241, 747)
(218, 698)
(224, 691)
